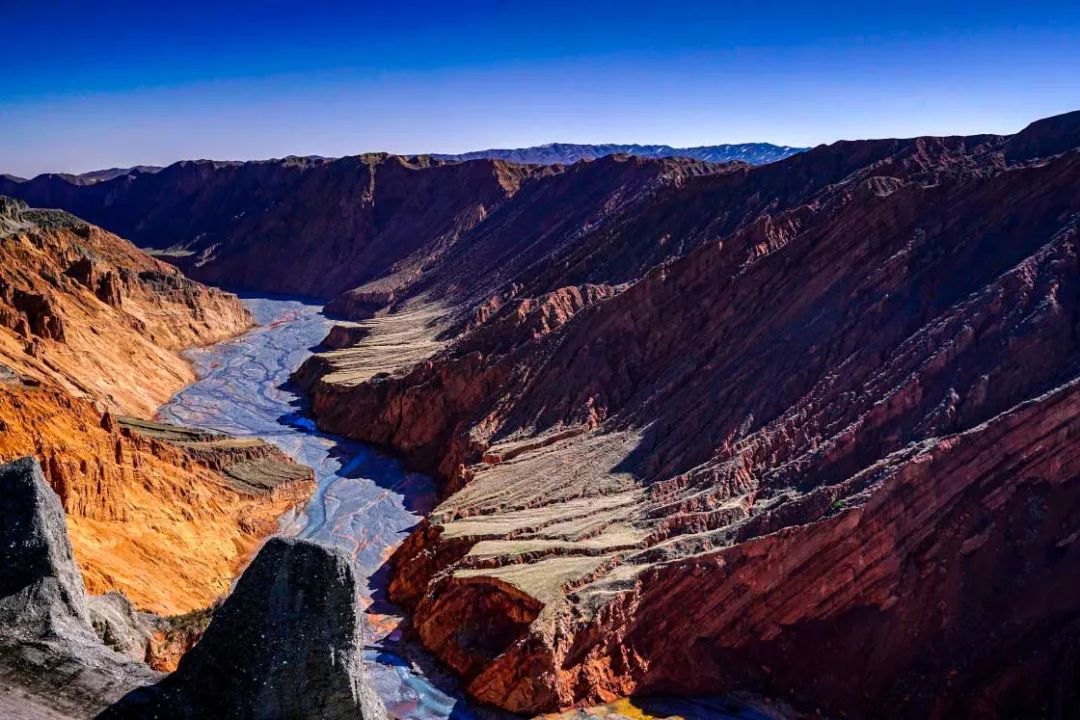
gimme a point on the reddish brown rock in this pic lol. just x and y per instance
(342, 336)
(247, 224)
(819, 455)
(164, 515)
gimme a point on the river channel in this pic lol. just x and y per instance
(365, 502)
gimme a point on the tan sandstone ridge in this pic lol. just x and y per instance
(808, 429)
(90, 327)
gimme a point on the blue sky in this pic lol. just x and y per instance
(87, 85)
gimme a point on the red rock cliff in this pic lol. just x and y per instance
(818, 453)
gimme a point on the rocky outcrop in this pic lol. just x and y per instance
(51, 661)
(286, 643)
(342, 336)
(120, 626)
(249, 465)
(41, 591)
(817, 401)
(104, 284)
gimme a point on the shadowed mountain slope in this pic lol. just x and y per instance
(817, 426)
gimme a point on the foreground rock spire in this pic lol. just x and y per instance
(41, 590)
(286, 644)
(48, 648)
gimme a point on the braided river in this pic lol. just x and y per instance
(365, 502)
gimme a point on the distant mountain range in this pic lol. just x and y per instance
(554, 153)
(550, 154)
(100, 175)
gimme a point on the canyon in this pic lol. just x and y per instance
(808, 428)
(160, 517)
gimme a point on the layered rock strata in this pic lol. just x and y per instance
(90, 312)
(368, 228)
(165, 515)
(245, 224)
(839, 424)
(89, 323)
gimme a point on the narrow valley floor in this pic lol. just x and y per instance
(365, 501)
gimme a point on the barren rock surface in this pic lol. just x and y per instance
(167, 522)
(287, 643)
(89, 311)
(89, 322)
(245, 224)
(51, 662)
(790, 455)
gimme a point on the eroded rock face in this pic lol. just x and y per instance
(50, 658)
(89, 311)
(286, 643)
(88, 321)
(164, 514)
(245, 224)
(344, 335)
(805, 441)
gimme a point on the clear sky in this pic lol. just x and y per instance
(87, 85)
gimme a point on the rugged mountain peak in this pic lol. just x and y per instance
(41, 590)
(1046, 137)
(287, 643)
